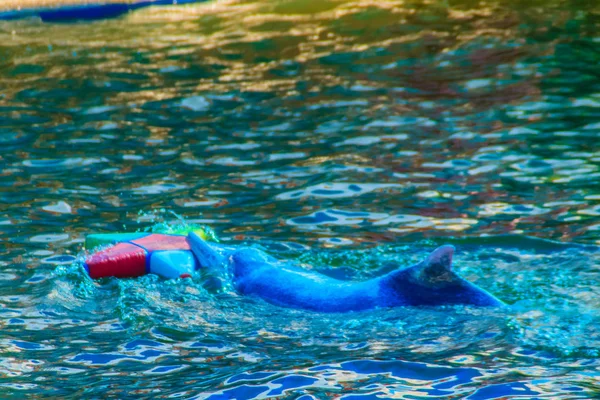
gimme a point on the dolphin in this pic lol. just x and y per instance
(430, 282)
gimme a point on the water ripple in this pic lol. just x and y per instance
(353, 136)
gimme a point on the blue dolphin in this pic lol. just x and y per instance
(428, 283)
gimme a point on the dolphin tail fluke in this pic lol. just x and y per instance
(208, 255)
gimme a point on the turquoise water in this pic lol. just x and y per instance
(345, 134)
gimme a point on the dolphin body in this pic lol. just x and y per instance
(428, 283)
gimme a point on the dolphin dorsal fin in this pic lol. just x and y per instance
(437, 267)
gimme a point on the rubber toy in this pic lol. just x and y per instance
(136, 254)
(428, 283)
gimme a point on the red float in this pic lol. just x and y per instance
(123, 260)
(158, 241)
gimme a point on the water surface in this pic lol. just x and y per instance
(346, 134)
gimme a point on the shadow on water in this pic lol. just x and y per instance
(353, 136)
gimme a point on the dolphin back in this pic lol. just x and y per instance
(431, 282)
(286, 284)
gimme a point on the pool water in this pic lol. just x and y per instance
(349, 135)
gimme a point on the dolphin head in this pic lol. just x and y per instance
(432, 282)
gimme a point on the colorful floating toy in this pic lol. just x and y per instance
(136, 254)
